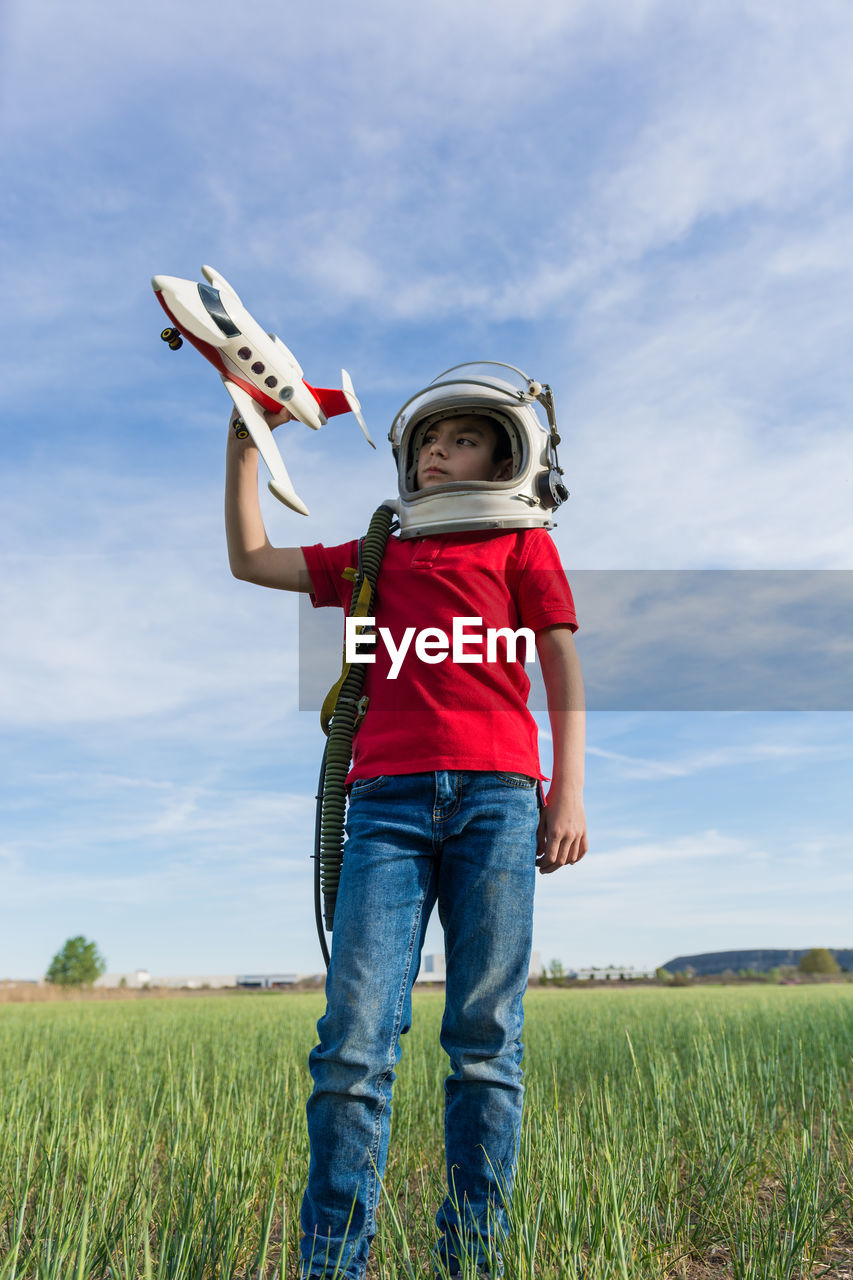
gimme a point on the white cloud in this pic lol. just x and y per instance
(733, 114)
(119, 608)
(615, 863)
(650, 769)
(647, 901)
(124, 636)
(689, 747)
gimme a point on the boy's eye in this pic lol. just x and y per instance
(432, 436)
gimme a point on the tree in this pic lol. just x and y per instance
(819, 960)
(77, 964)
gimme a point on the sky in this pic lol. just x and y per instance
(648, 205)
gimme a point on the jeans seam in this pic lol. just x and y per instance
(439, 817)
(366, 786)
(373, 1194)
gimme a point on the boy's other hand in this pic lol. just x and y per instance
(562, 838)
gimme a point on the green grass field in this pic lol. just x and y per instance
(694, 1132)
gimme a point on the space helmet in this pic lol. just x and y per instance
(524, 409)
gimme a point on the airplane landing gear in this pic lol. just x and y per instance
(173, 338)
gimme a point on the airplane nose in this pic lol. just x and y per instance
(157, 283)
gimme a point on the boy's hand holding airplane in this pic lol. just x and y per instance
(276, 419)
(273, 419)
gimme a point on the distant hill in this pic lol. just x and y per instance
(719, 961)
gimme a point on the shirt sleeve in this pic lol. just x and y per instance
(542, 591)
(325, 569)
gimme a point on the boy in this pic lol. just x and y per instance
(445, 800)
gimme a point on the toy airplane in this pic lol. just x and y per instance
(258, 370)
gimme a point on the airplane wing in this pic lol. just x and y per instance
(256, 424)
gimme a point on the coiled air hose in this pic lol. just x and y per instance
(339, 723)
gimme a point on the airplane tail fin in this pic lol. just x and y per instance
(333, 402)
(352, 401)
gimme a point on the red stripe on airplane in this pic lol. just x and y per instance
(332, 402)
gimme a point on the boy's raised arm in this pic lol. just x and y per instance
(251, 555)
(562, 827)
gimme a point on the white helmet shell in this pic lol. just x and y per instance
(503, 393)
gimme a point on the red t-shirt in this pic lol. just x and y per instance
(459, 715)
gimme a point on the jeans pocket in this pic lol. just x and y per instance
(520, 780)
(364, 786)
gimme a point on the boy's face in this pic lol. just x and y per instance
(460, 449)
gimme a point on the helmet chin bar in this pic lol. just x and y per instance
(508, 395)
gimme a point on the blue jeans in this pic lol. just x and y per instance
(468, 842)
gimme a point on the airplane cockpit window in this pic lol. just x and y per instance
(214, 308)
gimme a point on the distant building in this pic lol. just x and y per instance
(135, 980)
(267, 981)
(139, 979)
(433, 967)
(610, 973)
(759, 961)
